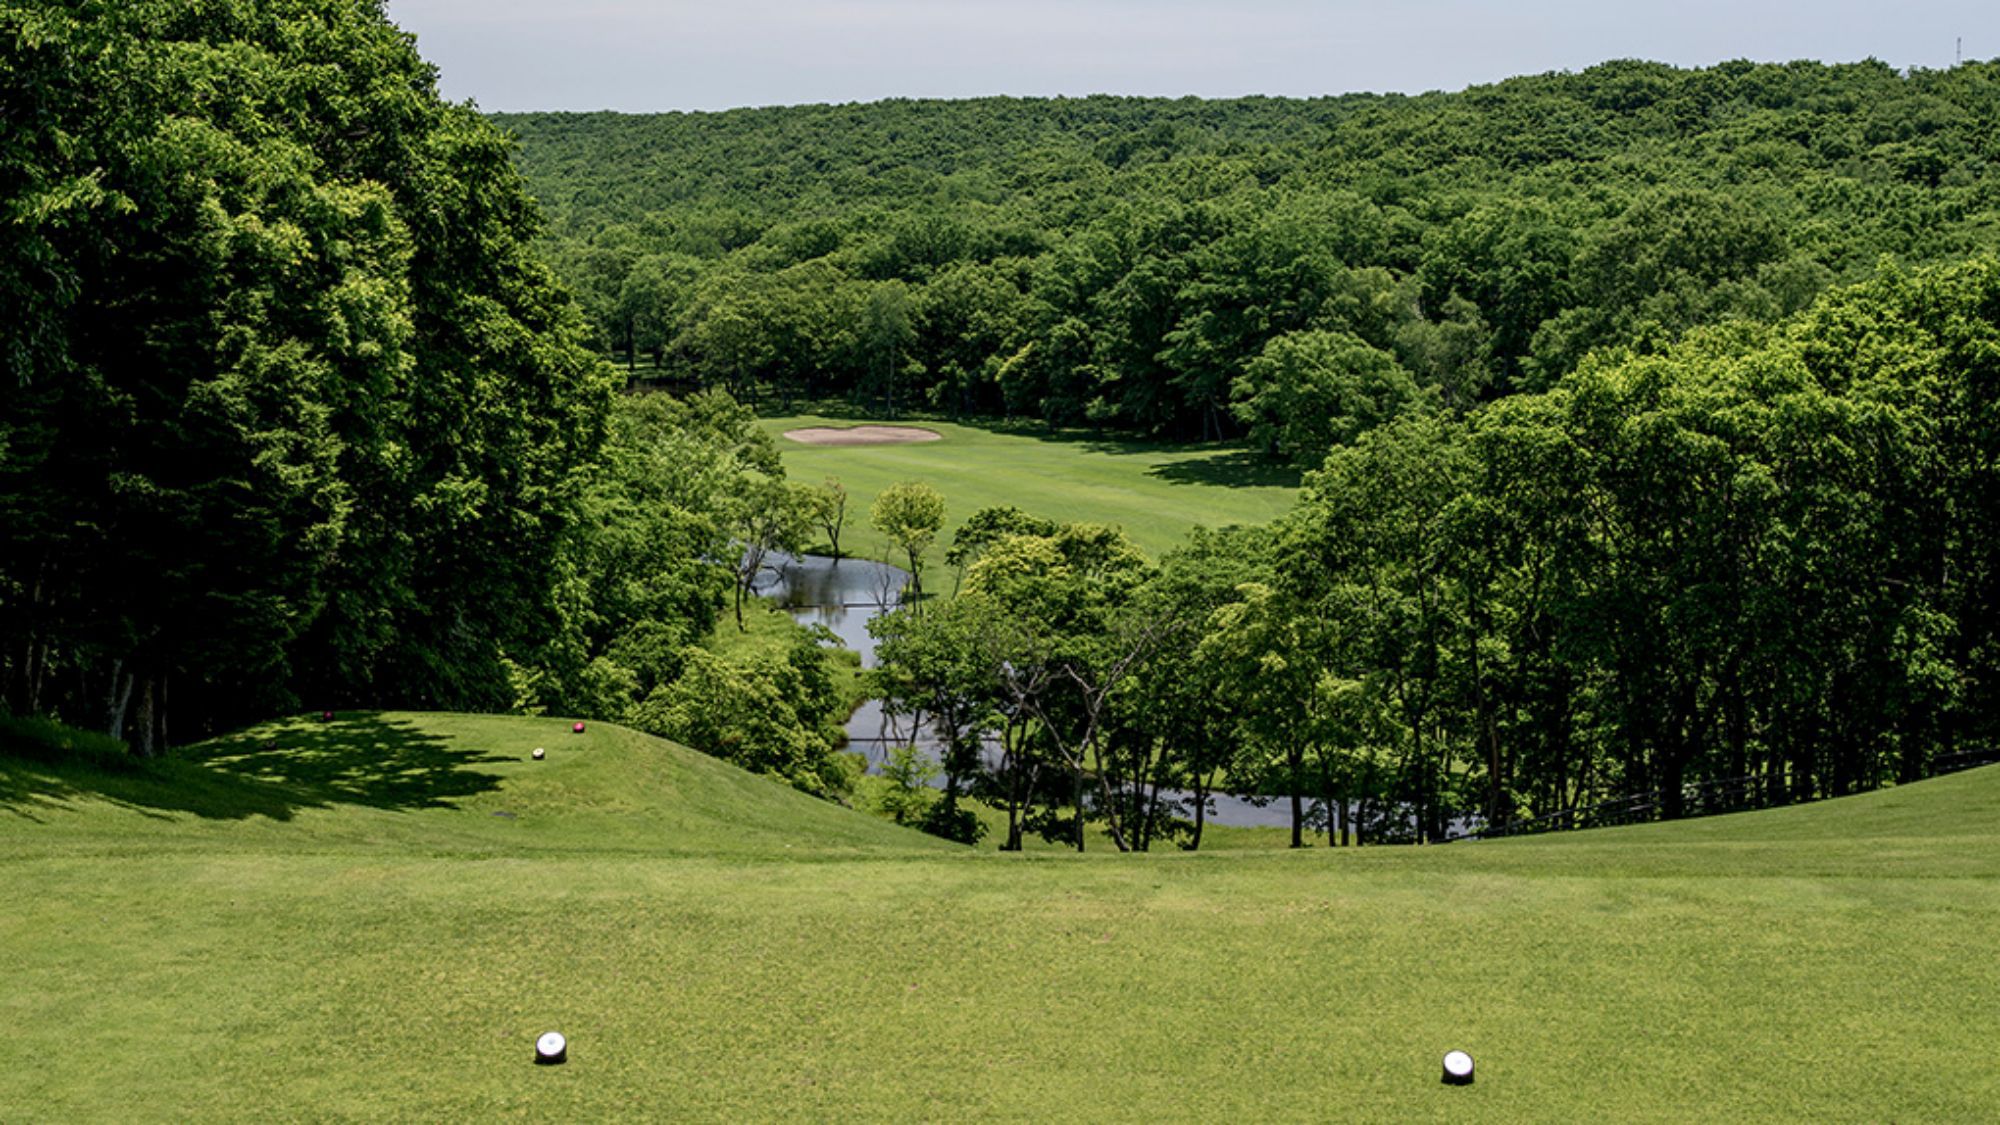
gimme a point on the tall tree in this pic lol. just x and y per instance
(909, 515)
(293, 410)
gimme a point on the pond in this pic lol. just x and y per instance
(846, 595)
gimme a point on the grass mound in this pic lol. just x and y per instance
(436, 782)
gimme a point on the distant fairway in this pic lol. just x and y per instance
(1155, 492)
(375, 919)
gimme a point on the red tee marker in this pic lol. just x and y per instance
(326, 716)
(576, 729)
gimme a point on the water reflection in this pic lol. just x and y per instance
(846, 595)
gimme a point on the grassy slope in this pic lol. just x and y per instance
(1155, 492)
(444, 784)
(356, 934)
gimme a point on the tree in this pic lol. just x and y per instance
(767, 516)
(908, 797)
(829, 510)
(1171, 725)
(1075, 636)
(1311, 391)
(887, 330)
(771, 717)
(934, 666)
(910, 515)
(984, 528)
(1369, 553)
(651, 300)
(292, 409)
(1270, 659)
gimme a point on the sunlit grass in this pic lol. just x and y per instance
(1155, 492)
(341, 923)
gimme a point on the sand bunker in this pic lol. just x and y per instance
(862, 435)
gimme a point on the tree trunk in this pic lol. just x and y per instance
(1020, 777)
(1112, 819)
(1292, 761)
(1076, 804)
(118, 700)
(1152, 807)
(1361, 804)
(144, 720)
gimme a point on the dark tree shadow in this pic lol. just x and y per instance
(1226, 463)
(271, 770)
(35, 791)
(1235, 468)
(359, 759)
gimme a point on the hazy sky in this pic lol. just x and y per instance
(638, 56)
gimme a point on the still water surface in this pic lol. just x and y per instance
(845, 595)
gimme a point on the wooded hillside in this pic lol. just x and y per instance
(1222, 268)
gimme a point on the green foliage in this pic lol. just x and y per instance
(827, 507)
(1311, 391)
(908, 797)
(41, 740)
(776, 718)
(766, 516)
(936, 668)
(1750, 556)
(1121, 262)
(987, 526)
(291, 412)
(909, 515)
(1753, 568)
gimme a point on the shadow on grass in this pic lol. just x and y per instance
(1235, 468)
(272, 770)
(1219, 464)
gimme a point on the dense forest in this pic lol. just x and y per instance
(292, 414)
(1759, 566)
(1285, 270)
(1649, 419)
(1619, 483)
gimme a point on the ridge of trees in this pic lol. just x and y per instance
(1196, 268)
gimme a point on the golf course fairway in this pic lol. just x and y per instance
(1155, 492)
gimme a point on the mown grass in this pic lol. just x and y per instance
(1156, 492)
(361, 936)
